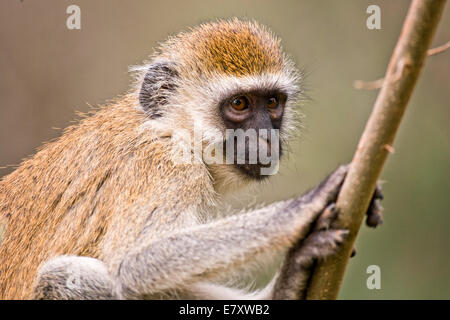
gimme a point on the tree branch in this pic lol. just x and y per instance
(376, 84)
(401, 76)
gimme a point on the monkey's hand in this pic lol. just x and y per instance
(322, 242)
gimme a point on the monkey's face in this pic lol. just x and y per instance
(253, 120)
(229, 83)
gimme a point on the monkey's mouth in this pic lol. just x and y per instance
(257, 163)
(253, 170)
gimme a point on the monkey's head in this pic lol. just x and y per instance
(229, 84)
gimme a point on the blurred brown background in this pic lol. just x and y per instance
(48, 72)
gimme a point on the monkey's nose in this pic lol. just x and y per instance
(265, 143)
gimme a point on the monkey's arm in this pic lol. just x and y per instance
(187, 260)
(201, 253)
(291, 281)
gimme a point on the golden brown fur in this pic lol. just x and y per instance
(65, 198)
(232, 47)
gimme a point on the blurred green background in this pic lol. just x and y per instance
(48, 72)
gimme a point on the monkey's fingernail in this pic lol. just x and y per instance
(345, 232)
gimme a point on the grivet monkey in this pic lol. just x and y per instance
(108, 212)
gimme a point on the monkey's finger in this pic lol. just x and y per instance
(332, 184)
(353, 252)
(378, 194)
(320, 245)
(326, 218)
(374, 213)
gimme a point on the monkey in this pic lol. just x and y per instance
(106, 211)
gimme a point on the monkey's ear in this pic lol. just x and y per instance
(159, 82)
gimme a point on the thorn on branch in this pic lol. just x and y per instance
(389, 148)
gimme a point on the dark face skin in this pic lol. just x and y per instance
(254, 110)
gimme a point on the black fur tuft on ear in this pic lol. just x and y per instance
(159, 82)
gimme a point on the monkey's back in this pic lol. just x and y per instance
(65, 199)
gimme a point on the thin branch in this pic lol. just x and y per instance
(437, 50)
(368, 85)
(376, 84)
(371, 153)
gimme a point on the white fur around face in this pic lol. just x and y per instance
(194, 107)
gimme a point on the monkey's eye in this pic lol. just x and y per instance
(272, 103)
(239, 103)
